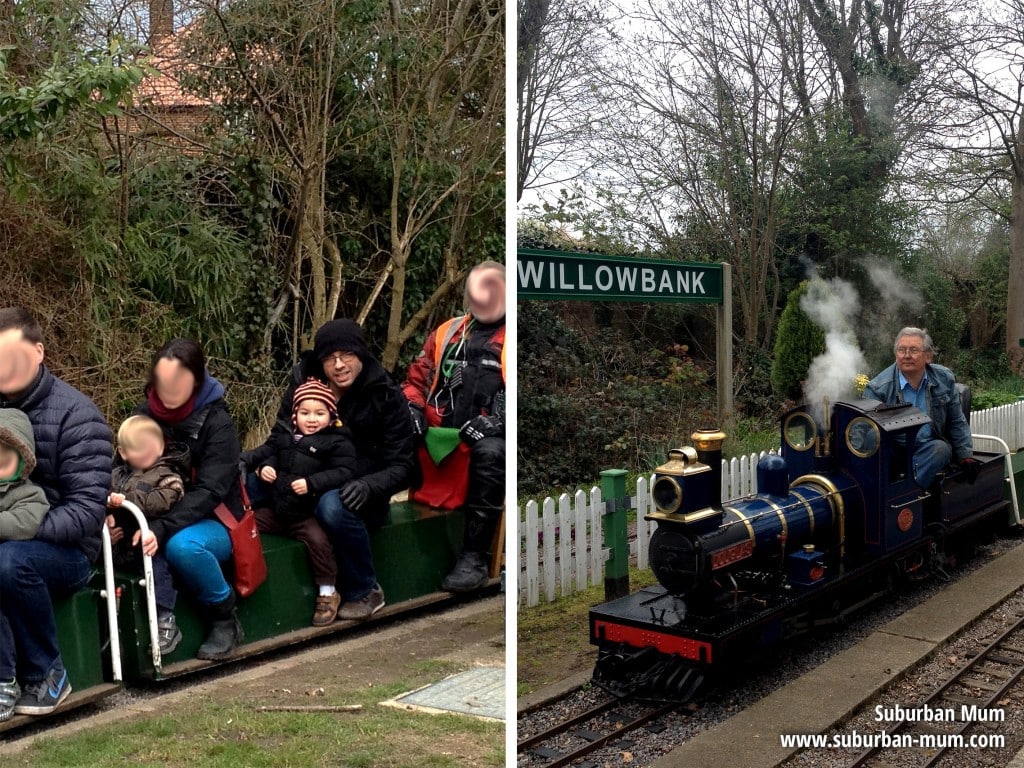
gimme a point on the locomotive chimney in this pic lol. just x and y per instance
(708, 443)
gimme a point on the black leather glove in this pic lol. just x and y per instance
(354, 494)
(970, 466)
(479, 427)
(419, 421)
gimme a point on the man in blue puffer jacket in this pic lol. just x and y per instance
(73, 448)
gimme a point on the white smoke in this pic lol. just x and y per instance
(832, 305)
(892, 289)
(895, 303)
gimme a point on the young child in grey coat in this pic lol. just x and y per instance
(23, 504)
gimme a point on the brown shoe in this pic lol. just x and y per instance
(359, 610)
(326, 609)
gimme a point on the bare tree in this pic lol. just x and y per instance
(979, 133)
(441, 103)
(700, 113)
(553, 86)
(285, 75)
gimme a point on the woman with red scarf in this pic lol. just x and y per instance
(188, 403)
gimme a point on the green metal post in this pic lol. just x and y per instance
(616, 569)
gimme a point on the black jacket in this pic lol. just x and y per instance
(73, 449)
(378, 414)
(326, 460)
(213, 451)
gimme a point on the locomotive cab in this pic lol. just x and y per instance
(870, 444)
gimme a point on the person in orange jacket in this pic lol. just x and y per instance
(458, 381)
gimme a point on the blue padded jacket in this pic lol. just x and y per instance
(73, 450)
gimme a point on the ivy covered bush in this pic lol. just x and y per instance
(598, 400)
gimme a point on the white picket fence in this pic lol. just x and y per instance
(1005, 421)
(560, 541)
(560, 545)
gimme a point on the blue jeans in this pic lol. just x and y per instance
(930, 458)
(351, 541)
(31, 574)
(195, 553)
(163, 583)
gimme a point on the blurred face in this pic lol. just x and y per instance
(9, 460)
(486, 290)
(19, 361)
(911, 357)
(342, 369)
(311, 416)
(146, 451)
(174, 383)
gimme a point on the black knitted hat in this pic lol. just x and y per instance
(340, 336)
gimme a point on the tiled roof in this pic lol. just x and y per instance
(164, 90)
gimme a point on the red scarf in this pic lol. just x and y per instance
(172, 417)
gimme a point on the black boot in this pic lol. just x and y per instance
(225, 631)
(471, 572)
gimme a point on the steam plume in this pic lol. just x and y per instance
(833, 306)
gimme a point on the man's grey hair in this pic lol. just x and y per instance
(921, 333)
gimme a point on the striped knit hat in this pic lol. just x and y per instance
(314, 389)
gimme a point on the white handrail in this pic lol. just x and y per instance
(1009, 471)
(147, 584)
(109, 594)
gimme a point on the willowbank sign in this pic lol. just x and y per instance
(579, 276)
(567, 276)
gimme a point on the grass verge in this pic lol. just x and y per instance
(227, 731)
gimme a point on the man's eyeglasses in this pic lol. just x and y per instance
(911, 351)
(340, 357)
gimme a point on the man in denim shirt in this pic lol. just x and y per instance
(915, 380)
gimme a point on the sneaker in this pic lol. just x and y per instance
(326, 609)
(45, 696)
(9, 693)
(167, 633)
(364, 608)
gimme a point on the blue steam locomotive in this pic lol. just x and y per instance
(837, 523)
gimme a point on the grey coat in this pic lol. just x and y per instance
(23, 504)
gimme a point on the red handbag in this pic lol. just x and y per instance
(246, 549)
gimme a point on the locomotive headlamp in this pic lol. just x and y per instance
(668, 496)
(667, 490)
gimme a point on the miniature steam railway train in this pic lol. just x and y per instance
(107, 631)
(837, 522)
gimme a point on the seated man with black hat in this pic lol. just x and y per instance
(370, 404)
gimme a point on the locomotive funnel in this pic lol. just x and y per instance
(709, 451)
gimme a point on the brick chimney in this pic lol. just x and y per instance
(161, 20)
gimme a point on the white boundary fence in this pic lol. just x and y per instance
(560, 542)
(560, 546)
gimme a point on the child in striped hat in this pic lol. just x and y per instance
(318, 456)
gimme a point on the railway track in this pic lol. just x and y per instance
(980, 685)
(590, 730)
